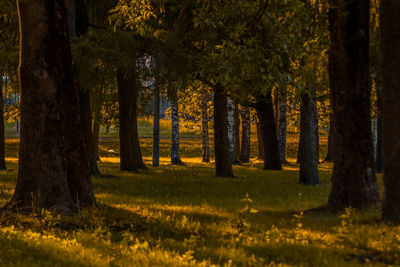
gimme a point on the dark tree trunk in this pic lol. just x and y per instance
(130, 155)
(237, 132)
(308, 146)
(281, 122)
(378, 149)
(260, 143)
(96, 135)
(246, 124)
(265, 112)
(175, 158)
(353, 181)
(87, 122)
(331, 138)
(204, 123)
(3, 166)
(156, 127)
(223, 162)
(53, 170)
(390, 43)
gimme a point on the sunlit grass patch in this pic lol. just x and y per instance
(186, 216)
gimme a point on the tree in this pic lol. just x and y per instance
(223, 161)
(353, 181)
(265, 112)
(281, 107)
(232, 129)
(128, 89)
(156, 127)
(308, 147)
(204, 124)
(53, 166)
(175, 158)
(390, 43)
(246, 124)
(2, 137)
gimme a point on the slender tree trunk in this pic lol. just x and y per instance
(53, 170)
(86, 113)
(156, 127)
(223, 161)
(265, 112)
(246, 124)
(282, 123)
(231, 130)
(353, 181)
(308, 139)
(378, 152)
(175, 158)
(331, 143)
(3, 166)
(96, 135)
(260, 143)
(204, 123)
(237, 131)
(390, 42)
(130, 155)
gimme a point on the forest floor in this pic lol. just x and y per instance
(185, 216)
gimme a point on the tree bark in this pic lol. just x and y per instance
(96, 136)
(390, 42)
(331, 142)
(308, 146)
(175, 158)
(231, 130)
(265, 112)
(223, 161)
(204, 123)
(282, 123)
(237, 131)
(156, 127)
(378, 150)
(3, 166)
(260, 143)
(353, 181)
(246, 124)
(53, 170)
(87, 122)
(130, 155)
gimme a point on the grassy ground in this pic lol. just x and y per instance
(185, 216)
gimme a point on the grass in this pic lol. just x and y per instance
(185, 216)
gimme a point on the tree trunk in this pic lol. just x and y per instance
(86, 115)
(231, 130)
(3, 166)
(53, 170)
(204, 123)
(175, 158)
(156, 127)
(96, 135)
(390, 42)
(308, 147)
(237, 131)
(353, 181)
(130, 155)
(265, 112)
(331, 142)
(223, 161)
(246, 124)
(260, 143)
(282, 123)
(378, 150)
